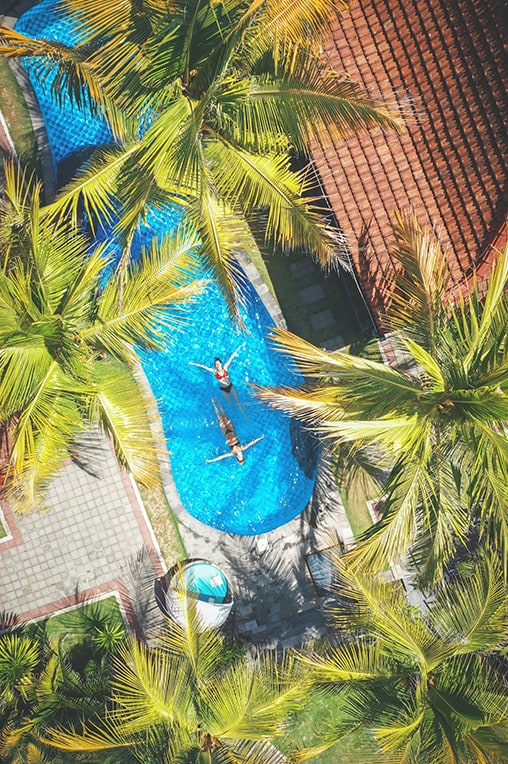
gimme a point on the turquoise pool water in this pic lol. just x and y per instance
(276, 481)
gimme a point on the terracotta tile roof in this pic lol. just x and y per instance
(443, 60)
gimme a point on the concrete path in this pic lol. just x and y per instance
(95, 538)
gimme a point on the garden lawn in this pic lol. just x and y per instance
(321, 713)
(73, 622)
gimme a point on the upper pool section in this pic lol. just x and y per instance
(277, 479)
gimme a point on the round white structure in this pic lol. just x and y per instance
(201, 586)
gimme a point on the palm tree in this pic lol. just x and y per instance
(67, 340)
(429, 684)
(177, 700)
(437, 429)
(208, 101)
(49, 680)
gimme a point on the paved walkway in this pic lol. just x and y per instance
(95, 538)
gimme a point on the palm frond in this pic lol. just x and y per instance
(317, 105)
(69, 73)
(92, 191)
(418, 296)
(120, 407)
(473, 610)
(494, 301)
(272, 26)
(252, 702)
(143, 308)
(266, 182)
(149, 689)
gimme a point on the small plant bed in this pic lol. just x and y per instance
(356, 497)
(164, 524)
(99, 621)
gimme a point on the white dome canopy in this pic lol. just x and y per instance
(203, 586)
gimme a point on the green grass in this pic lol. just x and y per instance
(71, 622)
(321, 713)
(3, 531)
(17, 118)
(164, 523)
(355, 499)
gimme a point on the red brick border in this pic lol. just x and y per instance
(12, 527)
(141, 521)
(116, 585)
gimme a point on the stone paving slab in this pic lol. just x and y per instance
(322, 320)
(90, 540)
(334, 343)
(311, 294)
(301, 268)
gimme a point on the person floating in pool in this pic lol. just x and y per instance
(227, 429)
(221, 372)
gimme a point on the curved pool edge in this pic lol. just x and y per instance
(176, 505)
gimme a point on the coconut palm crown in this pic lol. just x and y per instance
(429, 682)
(177, 700)
(47, 679)
(67, 337)
(436, 428)
(207, 100)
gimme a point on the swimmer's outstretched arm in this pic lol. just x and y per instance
(218, 458)
(201, 366)
(252, 443)
(233, 355)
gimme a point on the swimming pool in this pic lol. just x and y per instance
(276, 481)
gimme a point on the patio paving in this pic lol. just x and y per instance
(94, 539)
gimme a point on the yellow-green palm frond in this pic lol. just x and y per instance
(252, 701)
(145, 306)
(70, 74)
(202, 647)
(20, 189)
(49, 420)
(381, 608)
(266, 183)
(272, 25)
(418, 304)
(151, 688)
(93, 187)
(473, 610)
(107, 736)
(121, 408)
(221, 234)
(350, 393)
(482, 318)
(357, 661)
(249, 752)
(400, 738)
(314, 105)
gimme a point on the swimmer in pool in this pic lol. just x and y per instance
(221, 372)
(227, 429)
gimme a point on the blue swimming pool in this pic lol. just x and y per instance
(276, 481)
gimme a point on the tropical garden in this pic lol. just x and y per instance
(212, 105)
